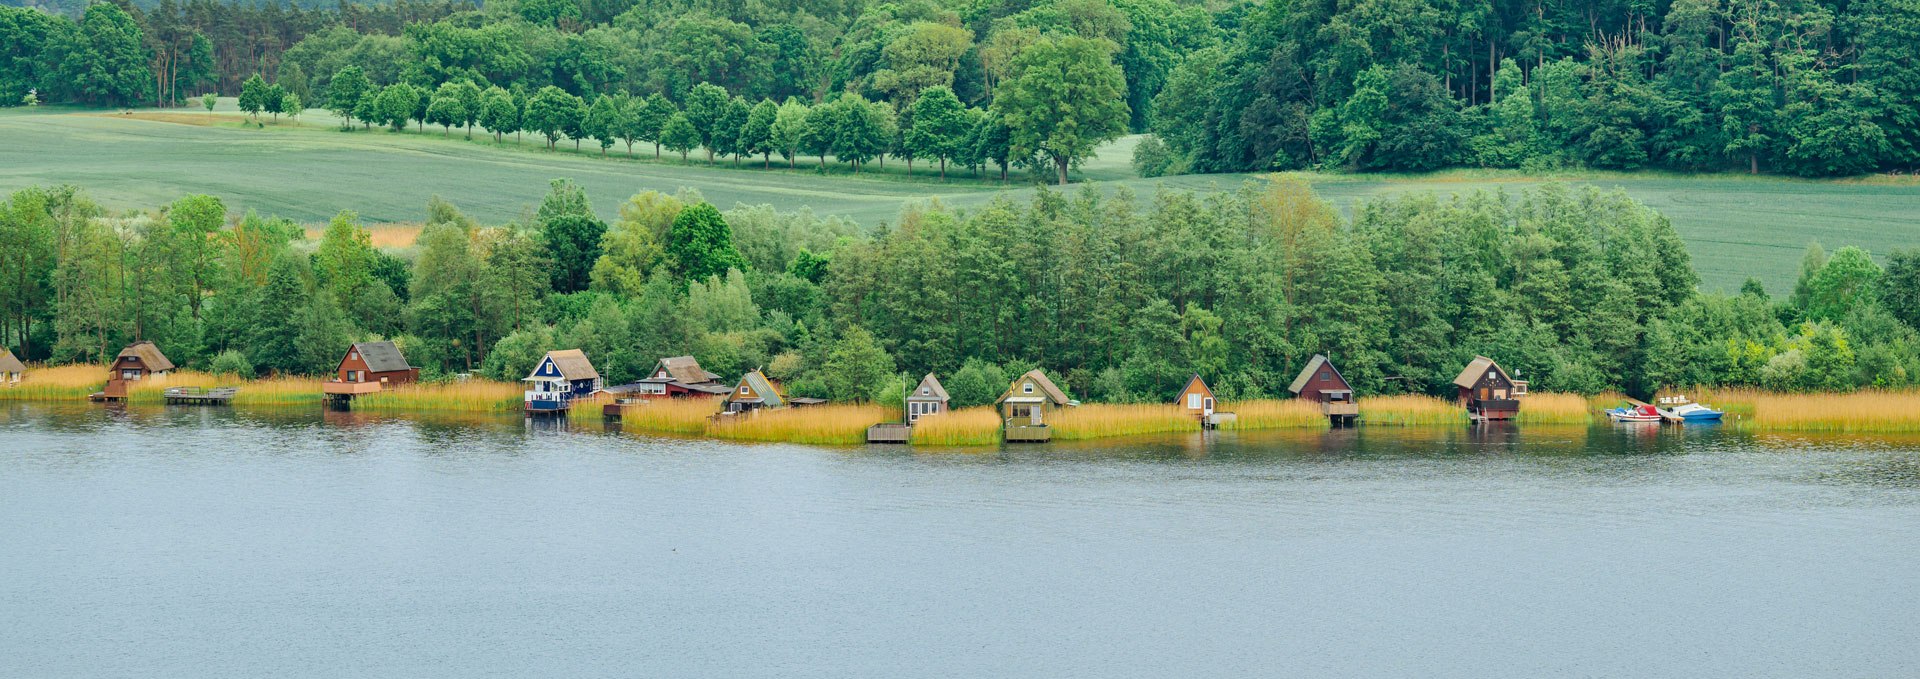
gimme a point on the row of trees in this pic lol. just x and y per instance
(1805, 87)
(1576, 289)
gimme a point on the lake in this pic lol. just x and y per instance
(162, 542)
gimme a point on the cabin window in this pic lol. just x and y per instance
(743, 390)
(1026, 388)
(925, 391)
(1193, 401)
(353, 355)
(1324, 376)
(663, 373)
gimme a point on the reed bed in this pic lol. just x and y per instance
(978, 426)
(1290, 413)
(1101, 420)
(73, 381)
(825, 424)
(1556, 408)
(472, 395)
(1411, 410)
(1860, 412)
(670, 415)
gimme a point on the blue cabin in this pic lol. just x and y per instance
(559, 378)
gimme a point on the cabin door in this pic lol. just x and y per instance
(1206, 407)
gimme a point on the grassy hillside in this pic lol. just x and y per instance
(1736, 226)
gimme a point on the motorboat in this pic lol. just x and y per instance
(1633, 413)
(1694, 412)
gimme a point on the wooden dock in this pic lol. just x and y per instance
(1028, 433)
(890, 432)
(199, 396)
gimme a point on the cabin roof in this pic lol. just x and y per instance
(572, 364)
(148, 354)
(685, 370)
(382, 357)
(1313, 366)
(762, 388)
(1203, 385)
(1471, 375)
(932, 384)
(1046, 387)
(10, 364)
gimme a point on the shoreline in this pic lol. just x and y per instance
(1861, 412)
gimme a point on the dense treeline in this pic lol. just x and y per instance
(1122, 298)
(1809, 87)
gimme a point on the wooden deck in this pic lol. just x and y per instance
(198, 396)
(890, 432)
(1028, 433)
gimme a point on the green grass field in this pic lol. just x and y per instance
(1736, 226)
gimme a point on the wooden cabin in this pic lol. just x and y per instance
(1320, 382)
(1488, 392)
(365, 369)
(11, 369)
(926, 399)
(754, 392)
(139, 361)
(558, 379)
(1025, 406)
(1196, 398)
(677, 377)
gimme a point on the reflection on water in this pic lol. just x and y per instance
(146, 540)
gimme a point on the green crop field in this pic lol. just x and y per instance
(1736, 226)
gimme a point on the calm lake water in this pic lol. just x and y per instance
(211, 542)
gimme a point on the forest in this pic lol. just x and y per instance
(1801, 87)
(1120, 297)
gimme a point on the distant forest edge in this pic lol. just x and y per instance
(1800, 87)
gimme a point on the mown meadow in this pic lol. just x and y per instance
(1735, 226)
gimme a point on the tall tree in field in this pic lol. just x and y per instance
(106, 60)
(602, 122)
(864, 129)
(253, 95)
(819, 130)
(551, 112)
(706, 107)
(653, 119)
(756, 136)
(446, 108)
(344, 93)
(940, 126)
(498, 113)
(679, 135)
(395, 105)
(727, 131)
(1066, 98)
(630, 129)
(472, 99)
(789, 124)
(700, 244)
(275, 100)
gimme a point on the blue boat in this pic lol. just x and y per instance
(1694, 412)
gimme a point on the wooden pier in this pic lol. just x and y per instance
(1028, 433)
(890, 432)
(199, 396)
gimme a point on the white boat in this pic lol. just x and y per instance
(1631, 413)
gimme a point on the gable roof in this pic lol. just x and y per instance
(932, 384)
(685, 370)
(148, 354)
(572, 364)
(1313, 366)
(381, 357)
(1477, 367)
(1040, 380)
(9, 364)
(761, 387)
(1196, 378)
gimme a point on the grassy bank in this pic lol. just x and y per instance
(474, 395)
(964, 427)
(1861, 412)
(74, 382)
(1274, 414)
